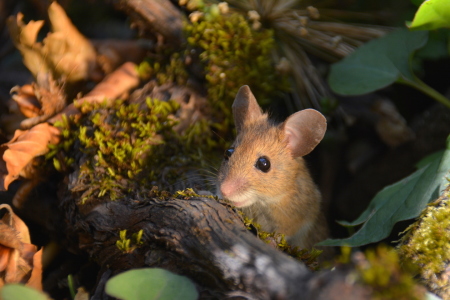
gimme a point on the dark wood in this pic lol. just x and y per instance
(200, 238)
(159, 16)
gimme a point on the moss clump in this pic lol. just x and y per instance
(224, 52)
(125, 148)
(234, 54)
(381, 270)
(120, 143)
(426, 244)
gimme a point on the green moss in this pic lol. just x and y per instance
(426, 244)
(129, 147)
(224, 53)
(121, 143)
(381, 270)
(233, 54)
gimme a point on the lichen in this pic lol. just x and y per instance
(426, 243)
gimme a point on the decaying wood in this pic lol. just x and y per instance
(160, 16)
(199, 238)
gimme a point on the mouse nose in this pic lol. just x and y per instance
(230, 187)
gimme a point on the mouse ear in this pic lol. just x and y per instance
(304, 130)
(245, 107)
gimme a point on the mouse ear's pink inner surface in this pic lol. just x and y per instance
(304, 130)
(245, 108)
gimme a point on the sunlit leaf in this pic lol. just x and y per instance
(432, 14)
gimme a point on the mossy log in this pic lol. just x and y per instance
(201, 238)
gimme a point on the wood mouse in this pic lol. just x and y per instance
(264, 174)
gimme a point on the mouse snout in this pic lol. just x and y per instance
(232, 187)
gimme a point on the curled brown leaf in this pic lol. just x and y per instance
(22, 149)
(40, 100)
(20, 262)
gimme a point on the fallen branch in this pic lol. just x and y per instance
(199, 238)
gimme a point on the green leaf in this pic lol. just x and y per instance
(151, 284)
(432, 14)
(17, 291)
(403, 200)
(377, 63)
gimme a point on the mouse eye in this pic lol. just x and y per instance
(263, 164)
(228, 153)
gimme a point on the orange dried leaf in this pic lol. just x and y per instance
(5, 253)
(20, 262)
(35, 280)
(26, 100)
(20, 151)
(112, 87)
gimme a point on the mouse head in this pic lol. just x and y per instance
(265, 158)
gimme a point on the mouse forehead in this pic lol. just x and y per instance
(259, 138)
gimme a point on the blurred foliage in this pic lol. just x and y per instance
(17, 291)
(381, 269)
(151, 284)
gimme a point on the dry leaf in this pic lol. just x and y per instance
(26, 100)
(112, 87)
(65, 52)
(20, 151)
(40, 100)
(391, 126)
(20, 262)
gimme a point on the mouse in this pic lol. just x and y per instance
(264, 173)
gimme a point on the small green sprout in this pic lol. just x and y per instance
(128, 245)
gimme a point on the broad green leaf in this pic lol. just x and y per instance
(403, 200)
(432, 14)
(17, 291)
(377, 63)
(151, 284)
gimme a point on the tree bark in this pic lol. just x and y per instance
(161, 16)
(202, 239)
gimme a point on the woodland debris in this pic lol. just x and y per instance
(20, 261)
